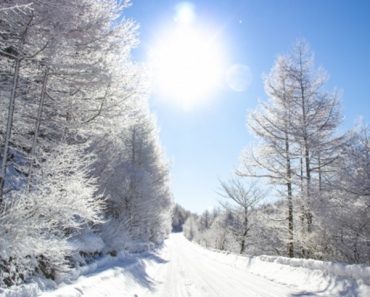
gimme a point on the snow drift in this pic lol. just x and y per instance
(337, 279)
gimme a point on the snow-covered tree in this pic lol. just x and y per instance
(67, 91)
(244, 199)
(179, 216)
(271, 123)
(134, 176)
(38, 224)
(191, 228)
(346, 219)
(298, 142)
(315, 119)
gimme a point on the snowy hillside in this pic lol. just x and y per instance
(182, 268)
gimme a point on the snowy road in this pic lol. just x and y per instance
(194, 272)
(181, 269)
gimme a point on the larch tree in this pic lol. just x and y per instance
(271, 123)
(315, 117)
(297, 128)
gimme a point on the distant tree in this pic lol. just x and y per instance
(179, 217)
(191, 228)
(220, 236)
(244, 199)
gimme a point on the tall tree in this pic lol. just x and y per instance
(314, 120)
(271, 123)
(298, 131)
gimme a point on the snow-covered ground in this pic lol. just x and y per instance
(182, 268)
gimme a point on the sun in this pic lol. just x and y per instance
(186, 62)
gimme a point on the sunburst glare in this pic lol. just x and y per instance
(187, 61)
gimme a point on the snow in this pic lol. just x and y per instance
(87, 242)
(181, 268)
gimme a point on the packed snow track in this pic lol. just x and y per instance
(184, 269)
(193, 272)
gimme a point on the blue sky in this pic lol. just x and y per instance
(204, 143)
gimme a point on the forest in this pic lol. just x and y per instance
(82, 170)
(302, 186)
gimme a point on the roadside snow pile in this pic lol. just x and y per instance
(335, 279)
(87, 259)
(109, 276)
(39, 285)
(357, 272)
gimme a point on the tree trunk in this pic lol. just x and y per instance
(9, 126)
(37, 129)
(320, 174)
(306, 149)
(245, 232)
(290, 199)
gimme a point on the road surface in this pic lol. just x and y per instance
(179, 269)
(193, 271)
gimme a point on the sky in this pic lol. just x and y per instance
(204, 136)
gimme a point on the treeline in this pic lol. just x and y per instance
(82, 171)
(179, 217)
(319, 175)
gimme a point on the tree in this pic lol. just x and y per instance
(191, 230)
(136, 181)
(297, 128)
(13, 48)
(70, 100)
(35, 226)
(315, 118)
(271, 122)
(244, 200)
(179, 216)
(64, 82)
(348, 219)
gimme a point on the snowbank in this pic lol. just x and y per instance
(39, 285)
(335, 279)
(357, 272)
